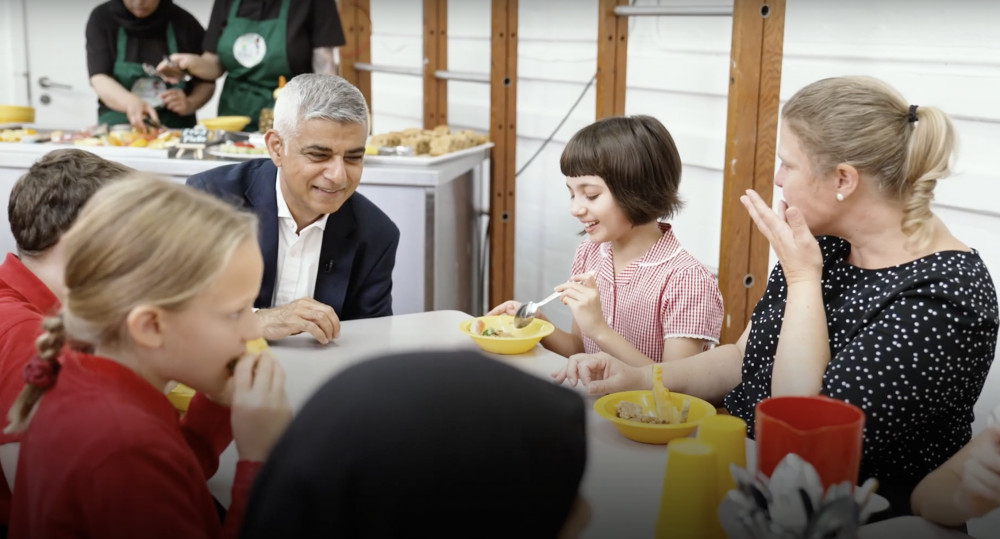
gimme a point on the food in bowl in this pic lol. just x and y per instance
(479, 326)
(512, 340)
(631, 411)
(652, 433)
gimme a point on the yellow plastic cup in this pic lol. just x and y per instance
(728, 435)
(688, 503)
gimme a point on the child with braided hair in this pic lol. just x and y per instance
(160, 281)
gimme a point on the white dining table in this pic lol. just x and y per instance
(623, 479)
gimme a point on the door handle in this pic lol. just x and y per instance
(46, 82)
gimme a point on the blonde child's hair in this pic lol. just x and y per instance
(865, 123)
(138, 241)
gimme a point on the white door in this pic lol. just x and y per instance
(57, 79)
(58, 84)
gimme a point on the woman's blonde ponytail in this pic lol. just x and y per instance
(928, 158)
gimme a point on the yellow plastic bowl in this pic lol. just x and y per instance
(521, 341)
(15, 113)
(226, 123)
(650, 433)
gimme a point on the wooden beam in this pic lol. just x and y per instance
(503, 133)
(435, 58)
(355, 17)
(751, 133)
(612, 58)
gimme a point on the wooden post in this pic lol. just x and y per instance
(503, 133)
(435, 58)
(355, 17)
(612, 57)
(751, 132)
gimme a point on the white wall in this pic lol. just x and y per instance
(946, 55)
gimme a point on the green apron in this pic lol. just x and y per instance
(133, 78)
(253, 53)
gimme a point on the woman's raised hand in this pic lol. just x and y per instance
(601, 373)
(260, 408)
(789, 235)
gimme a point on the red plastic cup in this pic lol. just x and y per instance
(825, 432)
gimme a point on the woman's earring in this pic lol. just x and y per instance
(840, 197)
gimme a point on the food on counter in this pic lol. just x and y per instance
(266, 120)
(131, 139)
(242, 148)
(19, 135)
(432, 142)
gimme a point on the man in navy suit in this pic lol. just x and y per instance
(328, 251)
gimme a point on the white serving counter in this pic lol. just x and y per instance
(435, 203)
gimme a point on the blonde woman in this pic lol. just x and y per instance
(873, 300)
(160, 281)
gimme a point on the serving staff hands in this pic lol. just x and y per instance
(174, 69)
(176, 101)
(136, 110)
(302, 315)
(789, 235)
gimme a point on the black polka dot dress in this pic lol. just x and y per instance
(911, 345)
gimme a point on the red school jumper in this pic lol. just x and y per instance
(106, 456)
(24, 301)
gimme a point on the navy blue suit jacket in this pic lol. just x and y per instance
(359, 242)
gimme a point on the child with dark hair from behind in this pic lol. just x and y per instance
(635, 293)
(160, 281)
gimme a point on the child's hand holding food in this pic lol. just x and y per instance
(260, 408)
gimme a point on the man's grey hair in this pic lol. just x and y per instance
(315, 95)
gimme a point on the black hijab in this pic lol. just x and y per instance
(429, 444)
(155, 22)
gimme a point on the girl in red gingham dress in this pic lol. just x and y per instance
(635, 293)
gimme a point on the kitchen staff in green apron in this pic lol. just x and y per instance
(125, 35)
(257, 41)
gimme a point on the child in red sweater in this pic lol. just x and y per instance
(160, 281)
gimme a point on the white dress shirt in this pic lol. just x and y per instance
(298, 254)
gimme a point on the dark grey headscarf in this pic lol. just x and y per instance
(429, 444)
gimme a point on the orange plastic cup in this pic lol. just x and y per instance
(825, 432)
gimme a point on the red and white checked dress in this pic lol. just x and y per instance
(666, 293)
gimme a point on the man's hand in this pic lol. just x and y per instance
(301, 315)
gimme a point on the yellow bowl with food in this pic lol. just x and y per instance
(609, 405)
(16, 114)
(226, 123)
(498, 335)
